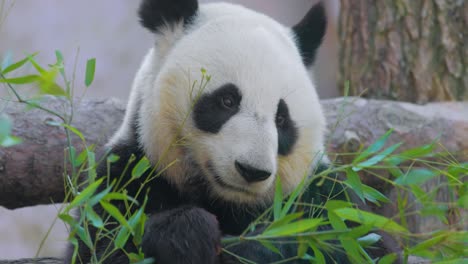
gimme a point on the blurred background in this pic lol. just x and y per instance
(108, 30)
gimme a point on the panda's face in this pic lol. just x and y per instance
(257, 119)
(241, 134)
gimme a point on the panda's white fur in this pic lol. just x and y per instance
(261, 57)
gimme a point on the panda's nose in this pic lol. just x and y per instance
(251, 174)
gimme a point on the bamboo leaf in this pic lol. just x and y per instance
(355, 183)
(83, 196)
(416, 176)
(376, 146)
(377, 158)
(292, 198)
(98, 197)
(114, 212)
(294, 227)
(17, 65)
(285, 220)
(278, 199)
(141, 167)
(95, 219)
(369, 239)
(90, 69)
(21, 80)
(119, 196)
(36, 65)
(367, 218)
(388, 259)
(270, 246)
(319, 257)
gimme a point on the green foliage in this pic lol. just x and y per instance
(318, 232)
(6, 139)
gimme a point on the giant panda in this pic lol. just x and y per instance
(256, 119)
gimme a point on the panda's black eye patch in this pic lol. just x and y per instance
(213, 110)
(287, 131)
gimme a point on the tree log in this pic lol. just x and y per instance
(32, 173)
(405, 50)
(33, 261)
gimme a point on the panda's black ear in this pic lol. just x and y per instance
(156, 13)
(310, 31)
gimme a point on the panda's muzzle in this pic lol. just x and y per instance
(251, 174)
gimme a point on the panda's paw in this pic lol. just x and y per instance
(182, 235)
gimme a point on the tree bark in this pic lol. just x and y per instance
(407, 50)
(32, 172)
(33, 261)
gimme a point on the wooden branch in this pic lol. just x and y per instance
(32, 172)
(33, 261)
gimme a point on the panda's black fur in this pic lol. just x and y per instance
(185, 224)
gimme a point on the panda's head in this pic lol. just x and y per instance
(256, 119)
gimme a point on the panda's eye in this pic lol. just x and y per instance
(227, 101)
(286, 127)
(280, 120)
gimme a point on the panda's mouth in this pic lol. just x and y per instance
(219, 180)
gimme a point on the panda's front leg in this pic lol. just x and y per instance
(183, 235)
